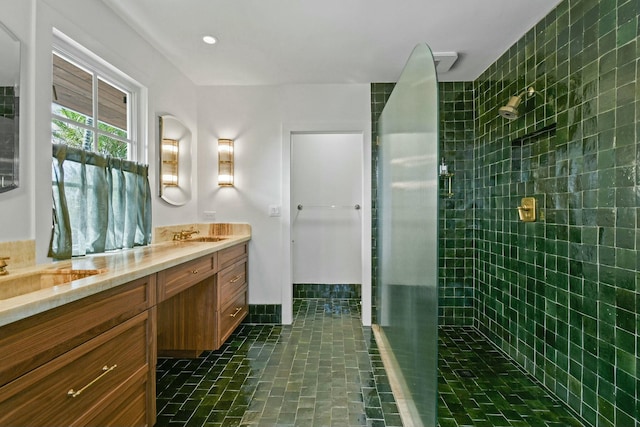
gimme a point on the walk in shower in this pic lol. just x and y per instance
(408, 234)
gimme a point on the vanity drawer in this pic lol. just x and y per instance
(176, 279)
(230, 316)
(227, 257)
(127, 409)
(31, 342)
(230, 280)
(74, 388)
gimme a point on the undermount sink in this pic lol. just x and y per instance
(22, 284)
(206, 239)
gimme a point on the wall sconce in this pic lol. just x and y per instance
(170, 162)
(225, 162)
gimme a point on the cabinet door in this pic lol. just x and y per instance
(86, 382)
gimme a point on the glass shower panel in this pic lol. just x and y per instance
(408, 232)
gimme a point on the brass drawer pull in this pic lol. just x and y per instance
(105, 370)
(238, 310)
(194, 271)
(235, 279)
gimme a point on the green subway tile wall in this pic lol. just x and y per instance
(327, 291)
(456, 212)
(456, 227)
(561, 295)
(262, 314)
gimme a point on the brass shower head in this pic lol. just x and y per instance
(510, 111)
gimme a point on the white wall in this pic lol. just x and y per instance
(326, 170)
(96, 27)
(255, 116)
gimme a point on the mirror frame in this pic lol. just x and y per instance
(171, 128)
(12, 137)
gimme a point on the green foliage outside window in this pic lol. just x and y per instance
(76, 136)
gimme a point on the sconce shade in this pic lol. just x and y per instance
(225, 162)
(169, 162)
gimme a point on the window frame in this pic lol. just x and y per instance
(100, 69)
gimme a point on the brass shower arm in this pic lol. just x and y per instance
(529, 91)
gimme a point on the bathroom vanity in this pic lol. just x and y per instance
(201, 302)
(90, 362)
(84, 352)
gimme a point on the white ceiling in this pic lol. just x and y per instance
(329, 41)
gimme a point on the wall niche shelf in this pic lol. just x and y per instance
(535, 135)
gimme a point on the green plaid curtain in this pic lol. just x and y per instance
(99, 203)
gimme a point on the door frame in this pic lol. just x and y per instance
(356, 127)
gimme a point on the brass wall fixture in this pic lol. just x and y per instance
(225, 162)
(170, 166)
(510, 111)
(527, 209)
(174, 161)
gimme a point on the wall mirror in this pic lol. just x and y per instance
(174, 155)
(9, 109)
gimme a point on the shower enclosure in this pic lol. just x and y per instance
(408, 234)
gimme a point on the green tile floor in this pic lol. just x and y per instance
(480, 386)
(325, 370)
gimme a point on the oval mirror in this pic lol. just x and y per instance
(174, 168)
(9, 109)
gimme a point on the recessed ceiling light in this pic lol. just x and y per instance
(209, 40)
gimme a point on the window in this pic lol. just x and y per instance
(101, 195)
(94, 106)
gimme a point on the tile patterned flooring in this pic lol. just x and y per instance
(479, 386)
(325, 370)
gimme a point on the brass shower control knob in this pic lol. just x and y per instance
(527, 209)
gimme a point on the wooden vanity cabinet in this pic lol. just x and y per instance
(186, 322)
(90, 362)
(198, 311)
(186, 295)
(233, 297)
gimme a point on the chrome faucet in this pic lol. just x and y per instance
(184, 234)
(3, 265)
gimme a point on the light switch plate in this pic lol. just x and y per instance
(209, 215)
(274, 210)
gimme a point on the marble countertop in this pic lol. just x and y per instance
(120, 267)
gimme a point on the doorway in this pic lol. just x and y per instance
(326, 213)
(326, 198)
